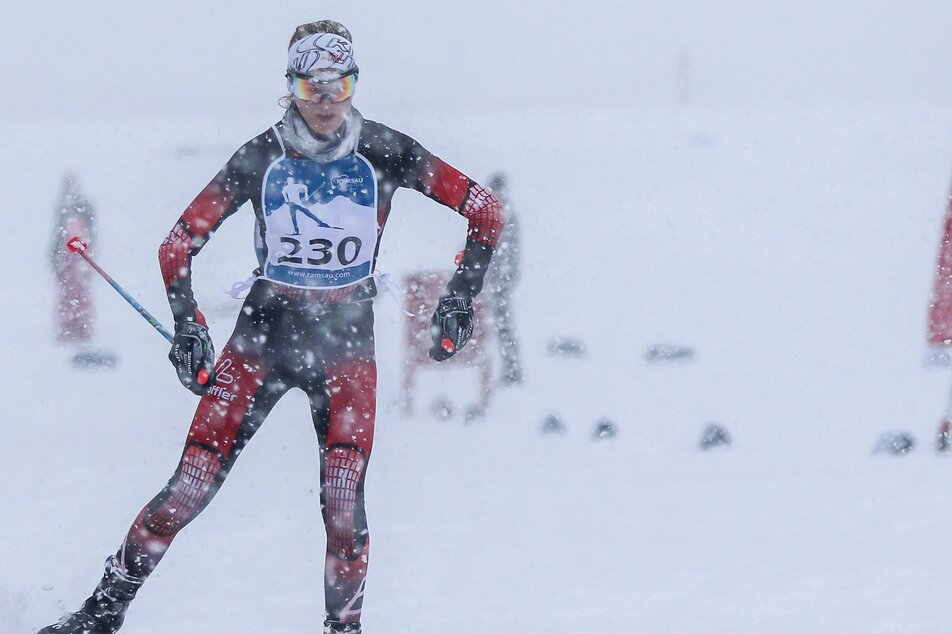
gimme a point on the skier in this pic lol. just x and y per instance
(501, 280)
(294, 195)
(307, 321)
(73, 215)
(74, 315)
(940, 322)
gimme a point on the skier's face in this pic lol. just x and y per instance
(323, 117)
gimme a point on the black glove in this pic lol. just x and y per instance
(451, 326)
(192, 351)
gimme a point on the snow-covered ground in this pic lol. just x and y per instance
(792, 244)
(793, 249)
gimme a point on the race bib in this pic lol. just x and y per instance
(320, 222)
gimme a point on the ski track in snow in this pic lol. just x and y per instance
(792, 248)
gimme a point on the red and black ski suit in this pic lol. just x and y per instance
(316, 335)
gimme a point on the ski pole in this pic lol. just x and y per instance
(76, 245)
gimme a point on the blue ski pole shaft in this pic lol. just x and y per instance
(78, 246)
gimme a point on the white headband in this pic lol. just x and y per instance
(321, 52)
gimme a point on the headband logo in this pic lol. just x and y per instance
(321, 51)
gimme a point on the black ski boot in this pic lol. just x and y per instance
(333, 627)
(104, 611)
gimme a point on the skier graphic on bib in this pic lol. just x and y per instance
(295, 195)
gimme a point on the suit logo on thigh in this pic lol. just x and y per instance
(222, 374)
(223, 377)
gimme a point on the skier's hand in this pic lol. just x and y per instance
(193, 356)
(451, 326)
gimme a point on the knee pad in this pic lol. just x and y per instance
(194, 483)
(343, 497)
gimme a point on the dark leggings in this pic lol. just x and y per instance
(280, 343)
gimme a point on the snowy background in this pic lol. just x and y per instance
(763, 181)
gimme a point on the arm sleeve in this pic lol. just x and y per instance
(442, 182)
(219, 199)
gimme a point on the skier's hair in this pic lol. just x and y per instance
(321, 26)
(302, 31)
